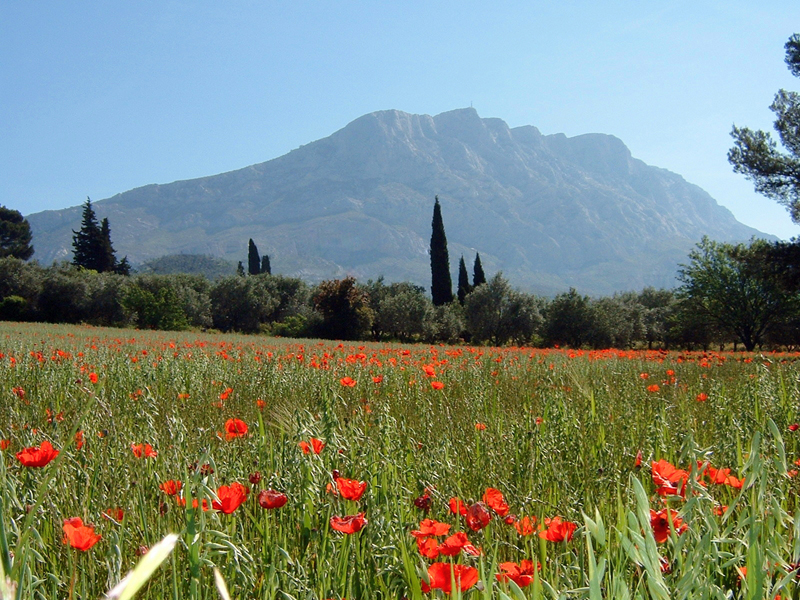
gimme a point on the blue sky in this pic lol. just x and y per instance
(100, 97)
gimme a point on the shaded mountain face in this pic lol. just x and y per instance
(551, 212)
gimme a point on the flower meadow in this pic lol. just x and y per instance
(324, 470)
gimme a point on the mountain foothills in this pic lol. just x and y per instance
(551, 212)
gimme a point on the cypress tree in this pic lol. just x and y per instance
(88, 241)
(265, 266)
(107, 260)
(464, 287)
(240, 269)
(477, 272)
(253, 260)
(441, 282)
(123, 267)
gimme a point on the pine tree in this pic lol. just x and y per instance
(88, 241)
(265, 266)
(15, 235)
(477, 272)
(464, 287)
(441, 282)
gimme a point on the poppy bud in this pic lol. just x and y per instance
(142, 550)
(255, 478)
(423, 502)
(336, 474)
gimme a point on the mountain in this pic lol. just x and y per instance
(549, 211)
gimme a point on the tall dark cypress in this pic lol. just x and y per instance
(265, 266)
(87, 242)
(441, 282)
(464, 287)
(253, 259)
(107, 259)
(477, 272)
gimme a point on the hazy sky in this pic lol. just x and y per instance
(100, 97)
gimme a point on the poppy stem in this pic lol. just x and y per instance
(72, 579)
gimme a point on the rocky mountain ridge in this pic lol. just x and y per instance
(549, 211)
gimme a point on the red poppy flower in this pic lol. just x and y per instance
(455, 543)
(37, 457)
(429, 527)
(437, 385)
(521, 574)
(79, 536)
(494, 498)
(350, 489)
(377, 379)
(558, 530)
(669, 479)
(723, 477)
(235, 428)
(171, 487)
(4, 444)
(526, 525)
(116, 514)
(270, 499)
(457, 507)
(348, 382)
(93, 377)
(477, 516)
(316, 446)
(428, 547)
(79, 440)
(653, 388)
(349, 524)
(430, 371)
(794, 427)
(660, 522)
(442, 575)
(143, 451)
(195, 503)
(637, 463)
(230, 497)
(480, 426)
(261, 404)
(702, 397)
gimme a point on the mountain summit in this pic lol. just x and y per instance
(549, 211)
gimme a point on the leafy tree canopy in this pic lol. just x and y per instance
(15, 235)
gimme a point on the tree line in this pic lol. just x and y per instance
(492, 313)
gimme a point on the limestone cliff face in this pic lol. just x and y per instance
(549, 211)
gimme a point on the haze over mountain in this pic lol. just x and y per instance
(549, 211)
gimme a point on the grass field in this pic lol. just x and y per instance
(556, 432)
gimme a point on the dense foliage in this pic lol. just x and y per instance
(726, 298)
(15, 235)
(755, 154)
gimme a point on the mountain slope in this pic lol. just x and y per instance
(549, 211)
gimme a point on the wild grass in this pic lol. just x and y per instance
(562, 433)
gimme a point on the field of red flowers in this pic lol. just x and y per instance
(321, 470)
